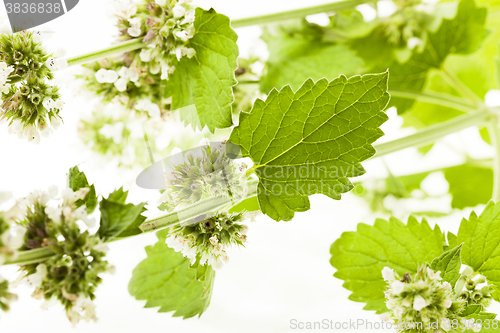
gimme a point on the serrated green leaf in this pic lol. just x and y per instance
(452, 240)
(293, 59)
(360, 256)
(481, 249)
(119, 219)
(78, 180)
(449, 264)
(325, 128)
(165, 279)
(205, 81)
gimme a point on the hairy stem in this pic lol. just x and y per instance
(432, 133)
(188, 213)
(133, 44)
(296, 13)
(494, 133)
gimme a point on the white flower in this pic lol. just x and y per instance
(134, 32)
(434, 275)
(36, 279)
(49, 104)
(31, 134)
(406, 302)
(388, 274)
(398, 312)
(385, 317)
(447, 303)
(121, 84)
(179, 11)
(184, 51)
(125, 8)
(106, 76)
(419, 303)
(14, 237)
(151, 108)
(397, 287)
(39, 37)
(161, 3)
(55, 122)
(182, 35)
(145, 54)
(176, 151)
(60, 52)
(102, 247)
(54, 213)
(81, 214)
(189, 17)
(414, 42)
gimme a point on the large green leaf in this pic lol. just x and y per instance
(119, 219)
(312, 140)
(470, 185)
(360, 256)
(481, 249)
(295, 57)
(204, 82)
(78, 180)
(166, 279)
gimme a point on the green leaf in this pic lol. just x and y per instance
(119, 219)
(78, 180)
(204, 82)
(312, 140)
(449, 264)
(481, 249)
(165, 279)
(461, 35)
(247, 205)
(452, 240)
(471, 310)
(293, 59)
(360, 256)
(470, 185)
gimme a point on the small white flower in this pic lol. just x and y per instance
(36, 279)
(145, 54)
(419, 303)
(54, 213)
(102, 247)
(406, 302)
(182, 35)
(121, 84)
(60, 52)
(434, 275)
(14, 237)
(114, 132)
(81, 214)
(134, 32)
(55, 122)
(398, 312)
(100, 75)
(388, 274)
(447, 286)
(189, 17)
(397, 287)
(385, 317)
(447, 303)
(179, 11)
(161, 3)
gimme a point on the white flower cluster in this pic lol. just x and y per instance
(11, 233)
(125, 8)
(66, 210)
(151, 108)
(120, 79)
(421, 298)
(4, 74)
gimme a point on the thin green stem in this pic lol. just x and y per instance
(494, 133)
(436, 98)
(133, 44)
(296, 13)
(189, 213)
(432, 133)
(456, 83)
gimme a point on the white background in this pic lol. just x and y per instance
(283, 273)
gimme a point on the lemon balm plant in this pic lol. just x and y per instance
(315, 123)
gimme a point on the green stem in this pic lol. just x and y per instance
(183, 215)
(297, 13)
(494, 133)
(131, 45)
(456, 83)
(432, 133)
(436, 98)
